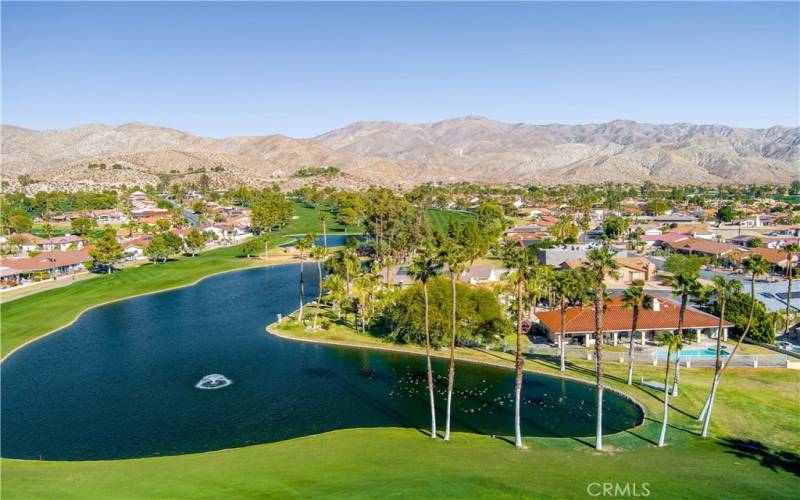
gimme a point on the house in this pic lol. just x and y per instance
(22, 242)
(481, 273)
(21, 270)
(399, 275)
(675, 218)
(558, 255)
(777, 258)
(134, 249)
(661, 315)
(631, 270)
(62, 243)
(661, 240)
(699, 246)
(108, 216)
(526, 239)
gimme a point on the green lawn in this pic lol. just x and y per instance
(441, 218)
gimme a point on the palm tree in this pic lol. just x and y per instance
(335, 285)
(600, 264)
(323, 217)
(521, 262)
(363, 291)
(756, 265)
(302, 246)
(791, 250)
(319, 254)
(562, 287)
(685, 271)
(345, 263)
(673, 340)
(455, 258)
(722, 289)
(633, 298)
(48, 230)
(425, 266)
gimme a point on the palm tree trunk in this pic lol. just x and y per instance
(598, 352)
(630, 346)
(677, 380)
(710, 400)
(665, 420)
(300, 314)
(518, 361)
(790, 272)
(561, 337)
(451, 372)
(428, 356)
(319, 296)
(717, 365)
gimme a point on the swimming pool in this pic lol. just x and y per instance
(708, 352)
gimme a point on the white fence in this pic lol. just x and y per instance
(658, 358)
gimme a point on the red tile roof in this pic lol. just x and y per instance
(618, 319)
(44, 261)
(699, 245)
(773, 256)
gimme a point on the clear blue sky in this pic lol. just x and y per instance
(301, 69)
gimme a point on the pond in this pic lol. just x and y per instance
(122, 381)
(333, 240)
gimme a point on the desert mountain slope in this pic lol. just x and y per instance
(616, 150)
(400, 154)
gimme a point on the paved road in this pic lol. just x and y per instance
(765, 290)
(193, 218)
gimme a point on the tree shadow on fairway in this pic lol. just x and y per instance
(774, 460)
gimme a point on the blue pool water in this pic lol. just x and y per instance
(708, 352)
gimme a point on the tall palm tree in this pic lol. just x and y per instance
(425, 266)
(562, 288)
(600, 264)
(305, 243)
(363, 292)
(673, 340)
(48, 230)
(455, 258)
(319, 254)
(755, 265)
(633, 298)
(323, 217)
(521, 262)
(722, 290)
(793, 249)
(684, 281)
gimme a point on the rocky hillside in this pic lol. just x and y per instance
(582, 153)
(400, 154)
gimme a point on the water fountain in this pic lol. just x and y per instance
(213, 381)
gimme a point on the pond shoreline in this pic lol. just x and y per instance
(271, 329)
(254, 265)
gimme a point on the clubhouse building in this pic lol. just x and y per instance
(659, 315)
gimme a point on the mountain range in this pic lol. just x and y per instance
(400, 154)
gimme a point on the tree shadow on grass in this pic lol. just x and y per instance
(774, 460)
